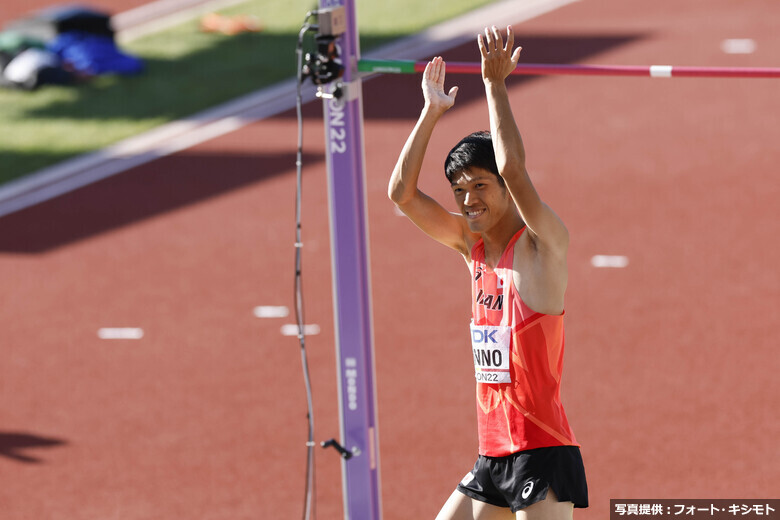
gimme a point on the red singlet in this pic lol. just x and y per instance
(526, 412)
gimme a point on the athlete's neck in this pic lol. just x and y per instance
(496, 238)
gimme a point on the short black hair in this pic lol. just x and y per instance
(474, 150)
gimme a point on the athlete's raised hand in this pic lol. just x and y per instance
(433, 86)
(498, 60)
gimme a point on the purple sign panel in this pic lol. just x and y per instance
(351, 281)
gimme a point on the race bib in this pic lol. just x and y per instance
(490, 345)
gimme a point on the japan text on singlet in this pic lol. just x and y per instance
(518, 361)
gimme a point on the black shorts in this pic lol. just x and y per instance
(521, 479)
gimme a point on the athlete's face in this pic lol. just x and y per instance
(481, 198)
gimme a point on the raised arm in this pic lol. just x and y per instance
(498, 61)
(426, 213)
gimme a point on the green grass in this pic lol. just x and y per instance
(186, 71)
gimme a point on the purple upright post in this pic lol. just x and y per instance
(351, 281)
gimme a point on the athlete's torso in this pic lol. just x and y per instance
(518, 361)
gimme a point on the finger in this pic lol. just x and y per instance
(497, 40)
(510, 38)
(435, 69)
(453, 93)
(516, 55)
(482, 46)
(489, 43)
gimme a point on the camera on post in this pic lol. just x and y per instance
(324, 65)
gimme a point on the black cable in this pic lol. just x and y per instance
(310, 493)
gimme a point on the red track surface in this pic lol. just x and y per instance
(671, 372)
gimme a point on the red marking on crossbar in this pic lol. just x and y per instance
(614, 70)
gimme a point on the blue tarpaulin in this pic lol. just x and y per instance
(93, 54)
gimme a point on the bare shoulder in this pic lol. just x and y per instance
(469, 241)
(449, 229)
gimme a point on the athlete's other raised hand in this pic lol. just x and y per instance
(498, 60)
(433, 86)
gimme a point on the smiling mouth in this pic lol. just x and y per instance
(474, 213)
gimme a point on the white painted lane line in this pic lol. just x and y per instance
(738, 46)
(120, 333)
(465, 27)
(609, 261)
(291, 329)
(271, 311)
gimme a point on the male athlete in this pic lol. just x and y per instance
(529, 464)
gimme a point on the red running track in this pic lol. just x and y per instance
(671, 368)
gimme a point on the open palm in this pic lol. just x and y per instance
(433, 85)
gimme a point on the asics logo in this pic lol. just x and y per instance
(529, 487)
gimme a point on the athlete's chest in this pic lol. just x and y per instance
(490, 287)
